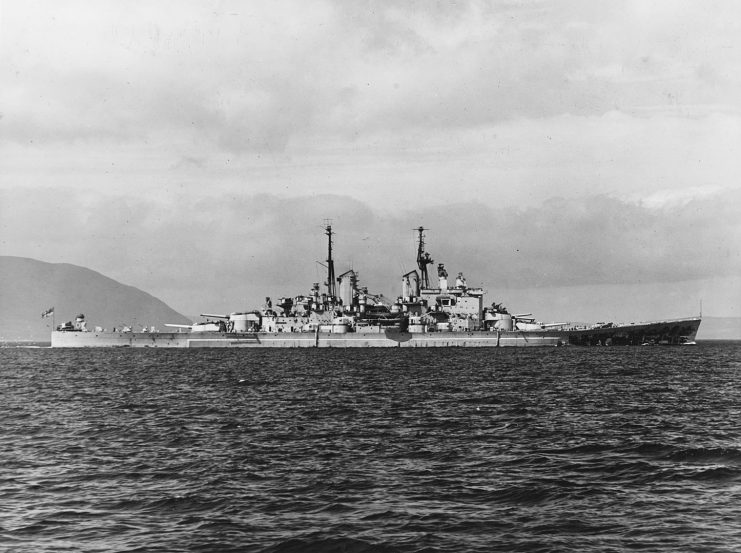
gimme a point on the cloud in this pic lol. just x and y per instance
(253, 77)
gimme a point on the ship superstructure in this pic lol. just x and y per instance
(428, 312)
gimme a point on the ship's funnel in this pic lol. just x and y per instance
(410, 285)
(347, 288)
(414, 281)
(442, 275)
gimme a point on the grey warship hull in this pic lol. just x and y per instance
(674, 332)
(670, 332)
(387, 339)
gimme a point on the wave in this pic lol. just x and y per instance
(363, 451)
(704, 455)
(319, 544)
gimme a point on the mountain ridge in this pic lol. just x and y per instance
(30, 287)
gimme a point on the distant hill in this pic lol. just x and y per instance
(28, 287)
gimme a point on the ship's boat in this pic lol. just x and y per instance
(427, 313)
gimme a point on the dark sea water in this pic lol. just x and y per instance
(553, 449)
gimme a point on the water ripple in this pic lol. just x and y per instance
(371, 451)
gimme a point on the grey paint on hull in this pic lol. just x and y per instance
(670, 332)
(303, 340)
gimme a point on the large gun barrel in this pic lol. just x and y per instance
(215, 316)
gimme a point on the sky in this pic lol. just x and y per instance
(578, 159)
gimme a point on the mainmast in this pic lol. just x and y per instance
(331, 287)
(423, 259)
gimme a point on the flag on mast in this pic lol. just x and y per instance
(49, 312)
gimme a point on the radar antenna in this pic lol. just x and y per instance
(331, 287)
(423, 258)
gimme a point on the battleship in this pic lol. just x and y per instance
(441, 312)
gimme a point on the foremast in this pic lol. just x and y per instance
(331, 282)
